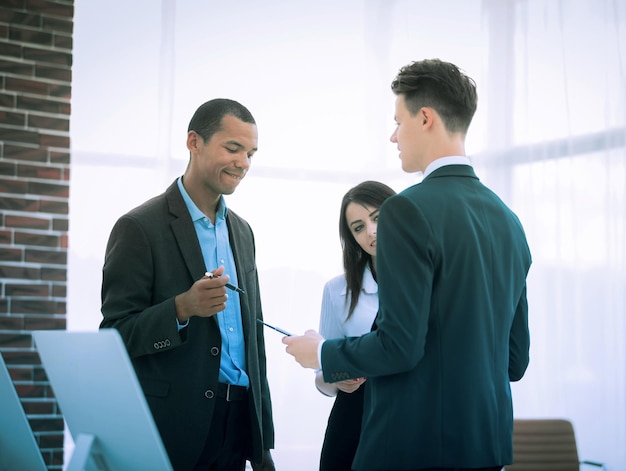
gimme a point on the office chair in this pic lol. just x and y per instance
(546, 445)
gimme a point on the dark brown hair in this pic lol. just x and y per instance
(355, 259)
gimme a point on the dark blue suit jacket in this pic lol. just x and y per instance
(153, 255)
(451, 332)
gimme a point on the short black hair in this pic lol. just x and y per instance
(207, 120)
(439, 85)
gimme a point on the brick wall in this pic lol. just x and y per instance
(35, 89)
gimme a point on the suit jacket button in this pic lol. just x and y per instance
(215, 351)
(209, 394)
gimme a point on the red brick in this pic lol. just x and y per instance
(42, 104)
(7, 100)
(60, 91)
(27, 222)
(56, 460)
(48, 189)
(19, 204)
(39, 407)
(19, 17)
(45, 256)
(21, 374)
(8, 169)
(31, 390)
(63, 42)
(47, 56)
(60, 158)
(6, 237)
(10, 50)
(57, 207)
(33, 36)
(51, 440)
(15, 340)
(59, 291)
(11, 322)
(53, 72)
(36, 239)
(58, 24)
(48, 122)
(12, 186)
(53, 274)
(39, 375)
(27, 290)
(33, 306)
(47, 7)
(26, 86)
(11, 255)
(19, 152)
(40, 171)
(12, 118)
(60, 225)
(18, 135)
(19, 272)
(18, 67)
(51, 140)
(21, 357)
(44, 323)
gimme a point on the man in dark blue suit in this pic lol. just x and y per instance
(452, 327)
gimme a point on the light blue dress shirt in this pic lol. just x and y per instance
(216, 252)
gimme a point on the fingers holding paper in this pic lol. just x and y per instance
(304, 348)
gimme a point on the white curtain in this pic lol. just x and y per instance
(549, 137)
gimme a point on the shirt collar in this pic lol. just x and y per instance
(443, 161)
(194, 211)
(369, 283)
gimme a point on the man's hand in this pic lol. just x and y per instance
(267, 464)
(205, 298)
(304, 348)
(350, 385)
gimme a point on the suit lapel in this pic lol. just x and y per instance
(235, 233)
(185, 233)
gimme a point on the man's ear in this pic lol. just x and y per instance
(193, 141)
(427, 115)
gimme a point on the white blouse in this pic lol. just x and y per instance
(333, 322)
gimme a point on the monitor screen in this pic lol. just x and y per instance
(103, 404)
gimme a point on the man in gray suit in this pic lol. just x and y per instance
(194, 340)
(452, 327)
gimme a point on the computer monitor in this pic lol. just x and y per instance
(18, 447)
(102, 401)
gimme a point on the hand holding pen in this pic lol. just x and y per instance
(228, 285)
(205, 298)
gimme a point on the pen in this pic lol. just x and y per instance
(284, 332)
(228, 285)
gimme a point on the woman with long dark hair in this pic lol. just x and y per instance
(349, 306)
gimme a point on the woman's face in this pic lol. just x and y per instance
(362, 221)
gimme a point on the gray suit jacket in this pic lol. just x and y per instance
(153, 255)
(451, 332)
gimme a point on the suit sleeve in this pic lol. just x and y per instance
(330, 322)
(405, 273)
(128, 285)
(519, 340)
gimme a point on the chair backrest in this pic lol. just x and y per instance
(544, 445)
